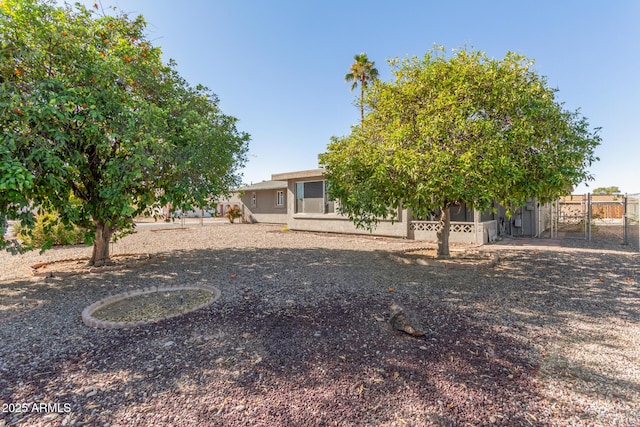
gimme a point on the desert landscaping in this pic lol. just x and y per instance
(547, 335)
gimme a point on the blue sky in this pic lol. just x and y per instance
(278, 66)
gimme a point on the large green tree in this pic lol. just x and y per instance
(361, 72)
(458, 128)
(95, 127)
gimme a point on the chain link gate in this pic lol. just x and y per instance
(595, 218)
(570, 217)
(632, 221)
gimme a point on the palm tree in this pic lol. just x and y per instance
(362, 71)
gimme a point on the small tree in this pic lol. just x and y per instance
(457, 129)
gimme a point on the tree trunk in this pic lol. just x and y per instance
(100, 254)
(443, 233)
(362, 104)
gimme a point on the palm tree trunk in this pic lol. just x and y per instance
(362, 103)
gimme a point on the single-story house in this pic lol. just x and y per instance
(262, 202)
(309, 208)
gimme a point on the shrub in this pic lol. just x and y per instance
(49, 229)
(233, 213)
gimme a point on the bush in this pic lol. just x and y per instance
(48, 228)
(233, 213)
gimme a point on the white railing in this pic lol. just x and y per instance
(434, 226)
(460, 232)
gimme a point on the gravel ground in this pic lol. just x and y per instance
(300, 336)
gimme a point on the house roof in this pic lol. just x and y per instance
(299, 174)
(265, 185)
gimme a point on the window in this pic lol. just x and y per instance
(311, 197)
(280, 198)
(254, 201)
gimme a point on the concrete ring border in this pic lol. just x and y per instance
(89, 320)
(403, 257)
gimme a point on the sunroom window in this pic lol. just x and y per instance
(311, 197)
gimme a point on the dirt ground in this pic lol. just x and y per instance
(548, 336)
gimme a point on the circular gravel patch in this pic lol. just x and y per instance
(148, 305)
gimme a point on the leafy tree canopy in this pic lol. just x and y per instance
(96, 128)
(607, 190)
(459, 128)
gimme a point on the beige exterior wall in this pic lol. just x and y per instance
(262, 206)
(468, 226)
(265, 210)
(331, 222)
(335, 223)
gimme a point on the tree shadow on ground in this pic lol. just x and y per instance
(300, 337)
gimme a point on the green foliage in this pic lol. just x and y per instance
(233, 213)
(606, 190)
(49, 231)
(458, 129)
(88, 108)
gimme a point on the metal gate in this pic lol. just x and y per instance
(570, 217)
(632, 221)
(599, 218)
